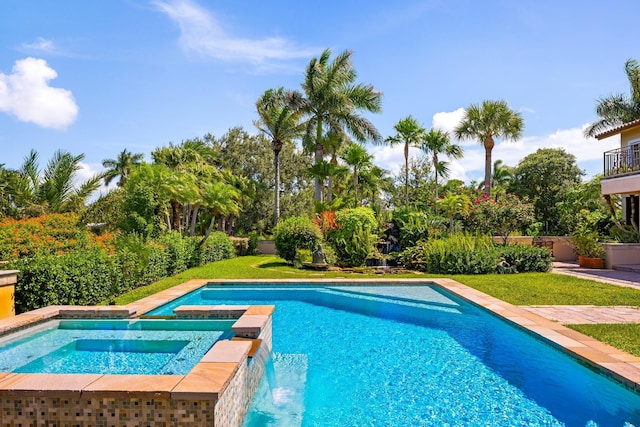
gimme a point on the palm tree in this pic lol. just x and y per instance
(221, 199)
(121, 166)
(437, 142)
(618, 109)
(486, 121)
(410, 133)
(332, 102)
(501, 176)
(52, 190)
(358, 158)
(281, 124)
(454, 204)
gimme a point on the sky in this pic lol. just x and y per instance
(97, 77)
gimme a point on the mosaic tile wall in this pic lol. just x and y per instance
(105, 412)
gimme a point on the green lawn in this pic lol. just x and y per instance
(518, 289)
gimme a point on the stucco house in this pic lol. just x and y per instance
(622, 169)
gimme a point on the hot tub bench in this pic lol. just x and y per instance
(216, 392)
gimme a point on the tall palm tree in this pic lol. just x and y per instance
(486, 121)
(618, 109)
(436, 142)
(410, 133)
(121, 166)
(357, 157)
(501, 176)
(332, 102)
(281, 123)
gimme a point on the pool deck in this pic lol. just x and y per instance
(590, 314)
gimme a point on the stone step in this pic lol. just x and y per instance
(634, 268)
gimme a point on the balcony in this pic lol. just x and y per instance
(622, 161)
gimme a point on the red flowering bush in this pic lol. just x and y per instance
(54, 234)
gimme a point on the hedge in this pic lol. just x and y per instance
(91, 275)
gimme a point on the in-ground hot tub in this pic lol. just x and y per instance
(58, 371)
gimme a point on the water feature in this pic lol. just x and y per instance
(414, 355)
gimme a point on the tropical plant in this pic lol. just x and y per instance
(35, 192)
(354, 236)
(294, 233)
(618, 109)
(121, 167)
(332, 102)
(357, 157)
(280, 123)
(500, 177)
(410, 133)
(486, 121)
(436, 142)
(454, 204)
(220, 199)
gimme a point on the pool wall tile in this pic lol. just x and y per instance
(210, 311)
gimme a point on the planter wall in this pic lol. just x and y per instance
(621, 253)
(562, 248)
(267, 247)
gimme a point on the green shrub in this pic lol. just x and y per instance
(254, 240)
(179, 252)
(456, 254)
(526, 258)
(415, 226)
(354, 237)
(217, 247)
(295, 233)
(78, 277)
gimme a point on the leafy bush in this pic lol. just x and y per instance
(415, 226)
(354, 237)
(252, 245)
(217, 247)
(456, 254)
(295, 233)
(178, 250)
(78, 277)
(526, 258)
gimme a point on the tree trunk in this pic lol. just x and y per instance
(222, 223)
(318, 181)
(230, 225)
(435, 165)
(334, 162)
(194, 220)
(406, 174)
(209, 230)
(319, 155)
(488, 147)
(276, 209)
(355, 187)
(175, 212)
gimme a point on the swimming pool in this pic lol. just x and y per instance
(413, 356)
(143, 347)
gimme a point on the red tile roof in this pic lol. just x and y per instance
(618, 129)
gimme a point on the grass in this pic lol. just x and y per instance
(520, 289)
(622, 336)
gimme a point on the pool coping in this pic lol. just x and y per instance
(603, 358)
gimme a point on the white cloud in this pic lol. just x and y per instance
(26, 94)
(448, 121)
(201, 32)
(471, 166)
(41, 46)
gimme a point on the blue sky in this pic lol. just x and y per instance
(96, 77)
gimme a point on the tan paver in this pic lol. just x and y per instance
(144, 386)
(586, 314)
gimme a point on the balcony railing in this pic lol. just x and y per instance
(622, 161)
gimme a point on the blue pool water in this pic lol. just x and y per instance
(413, 356)
(160, 347)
